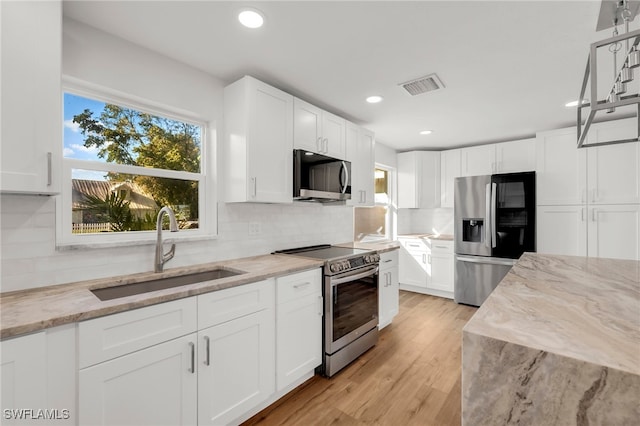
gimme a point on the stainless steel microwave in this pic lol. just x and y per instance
(317, 177)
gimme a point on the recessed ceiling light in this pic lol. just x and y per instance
(374, 99)
(575, 103)
(426, 132)
(251, 18)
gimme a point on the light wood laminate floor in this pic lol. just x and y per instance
(411, 377)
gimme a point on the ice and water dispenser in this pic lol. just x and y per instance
(472, 230)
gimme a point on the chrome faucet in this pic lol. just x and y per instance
(161, 257)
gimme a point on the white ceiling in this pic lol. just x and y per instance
(508, 66)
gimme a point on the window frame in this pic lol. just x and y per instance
(207, 218)
(391, 204)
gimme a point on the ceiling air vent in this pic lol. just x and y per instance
(421, 85)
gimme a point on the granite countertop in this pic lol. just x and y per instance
(441, 237)
(586, 309)
(36, 309)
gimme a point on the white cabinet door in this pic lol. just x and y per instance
(440, 257)
(39, 372)
(258, 143)
(299, 338)
(360, 152)
(478, 160)
(614, 174)
(333, 136)
(413, 268)
(31, 96)
(154, 386)
(307, 130)
(516, 156)
(236, 363)
(614, 231)
(562, 230)
(298, 326)
(389, 288)
(561, 175)
(318, 131)
(24, 370)
(449, 170)
(419, 179)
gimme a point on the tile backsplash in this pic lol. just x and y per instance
(425, 221)
(30, 259)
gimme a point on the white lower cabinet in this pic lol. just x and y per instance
(426, 266)
(298, 326)
(235, 367)
(207, 360)
(388, 288)
(38, 373)
(153, 386)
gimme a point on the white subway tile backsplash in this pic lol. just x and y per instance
(30, 259)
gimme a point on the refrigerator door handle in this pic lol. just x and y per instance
(487, 216)
(487, 260)
(494, 233)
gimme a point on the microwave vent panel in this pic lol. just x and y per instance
(422, 85)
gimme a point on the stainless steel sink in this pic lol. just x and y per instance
(162, 283)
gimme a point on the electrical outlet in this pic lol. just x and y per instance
(254, 228)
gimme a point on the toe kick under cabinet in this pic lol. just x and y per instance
(426, 266)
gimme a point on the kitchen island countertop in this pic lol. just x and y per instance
(557, 341)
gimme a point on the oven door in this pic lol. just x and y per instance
(351, 306)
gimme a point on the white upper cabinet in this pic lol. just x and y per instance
(318, 131)
(614, 174)
(258, 143)
(360, 152)
(449, 171)
(504, 157)
(561, 174)
(419, 180)
(31, 97)
(516, 156)
(478, 160)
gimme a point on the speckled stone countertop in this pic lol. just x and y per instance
(32, 310)
(442, 237)
(557, 342)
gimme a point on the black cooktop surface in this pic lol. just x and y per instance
(324, 252)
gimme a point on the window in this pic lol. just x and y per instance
(377, 223)
(122, 164)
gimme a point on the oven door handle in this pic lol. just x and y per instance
(348, 278)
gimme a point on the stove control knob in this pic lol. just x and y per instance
(333, 267)
(376, 257)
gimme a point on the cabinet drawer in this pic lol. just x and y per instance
(414, 245)
(224, 305)
(440, 246)
(109, 337)
(298, 285)
(389, 259)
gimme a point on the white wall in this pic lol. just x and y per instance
(385, 155)
(28, 223)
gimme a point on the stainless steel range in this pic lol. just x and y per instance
(350, 302)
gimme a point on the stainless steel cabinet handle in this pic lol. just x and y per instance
(254, 187)
(593, 215)
(304, 284)
(582, 211)
(320, 307)
(387, 261)
(424, 258)
(49, 172)
(326, 145)
(429, 259)
(442, 247)
(207, 342)
(319, 144)
(193, 357)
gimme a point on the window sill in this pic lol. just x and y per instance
(147, 240)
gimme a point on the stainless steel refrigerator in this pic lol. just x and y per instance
(495, 222)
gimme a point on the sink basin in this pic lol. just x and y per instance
(162, 283)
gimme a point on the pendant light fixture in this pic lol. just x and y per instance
(621, 95)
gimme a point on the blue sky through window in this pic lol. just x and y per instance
(73, 138)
